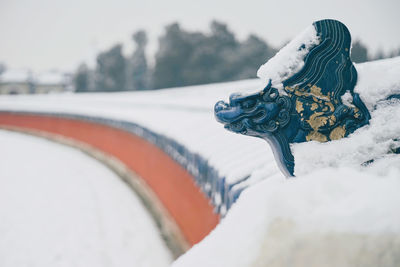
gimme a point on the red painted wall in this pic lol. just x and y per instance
(173, 185)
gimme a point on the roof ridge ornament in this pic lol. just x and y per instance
(309, 107)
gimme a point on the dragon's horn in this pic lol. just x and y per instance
(269, 85)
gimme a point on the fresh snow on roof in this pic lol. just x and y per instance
(50, 78)
(15, 76)
(59, 207)
(369, 145)
(378, 80)
(23, 76)
(290, 59)
(306, 221)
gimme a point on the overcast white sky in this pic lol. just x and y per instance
(55, 34)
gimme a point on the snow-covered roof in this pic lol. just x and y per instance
(333, 190)
(23, 76)
(16, 76)
(51, 78)
(290, 59)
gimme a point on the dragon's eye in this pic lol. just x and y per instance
(273, 94)
(248, 104)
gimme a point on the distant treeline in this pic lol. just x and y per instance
(185, 58)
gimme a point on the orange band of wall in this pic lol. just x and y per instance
(173, 185)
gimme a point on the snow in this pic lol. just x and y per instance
(59, 207)
(341, 203)
(186, 115)
(307, 220)
(289, 60)
(51, 78)
(183, 114)
(377, 81)
(372, 142)
(15, 76)
(334, 205)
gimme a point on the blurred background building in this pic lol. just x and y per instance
(16, 82)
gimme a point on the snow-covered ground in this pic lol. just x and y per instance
(59, 207)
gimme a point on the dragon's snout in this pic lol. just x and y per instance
(226, 113)
(220, 105)
(234, 100)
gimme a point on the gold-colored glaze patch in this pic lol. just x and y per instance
(316, 136)
(330, 106)
(337, 133)
(314, 106)
(299, 106)
(323, 107)
(332, 119)
(316, 120)
(290, 89)
(316, 91)
(357, 113)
